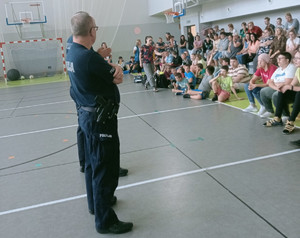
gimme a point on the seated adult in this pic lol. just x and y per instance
(239, 74)
(278, 45)
(264, 72)
(207, 46)
(235, 46)
(268, 24)
(283, 75)
(222, 47)
(252, 50)
(279, 23)
(198, 43)
(216, 41)
(244, 50)
(264, 46)
(288, 93)
(223, 62)
(291, 24)
(243, 30)
(292, 43)
(231, 29)
(173, 45)
(254, 29)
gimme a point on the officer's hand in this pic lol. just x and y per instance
(118, 75)
(104, 52)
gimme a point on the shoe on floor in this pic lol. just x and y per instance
(155, 90)
(178, 93)
(267, 114)
(295, 143)
(123, 172)
(276, 121)
(118, 228)
(250, 108)
(262, 110)
(215, 98)
(187, 96)
(289, 127)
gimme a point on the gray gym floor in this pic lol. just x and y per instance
(196, 168)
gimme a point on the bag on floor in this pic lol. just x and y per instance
(161, 81)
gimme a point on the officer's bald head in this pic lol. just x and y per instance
(81, 24)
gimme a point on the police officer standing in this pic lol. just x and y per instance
(94, 85)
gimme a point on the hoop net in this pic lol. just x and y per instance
(170, 16)
(26, 20)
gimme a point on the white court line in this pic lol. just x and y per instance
(53, 103)
(37, 105)
(153, 181)
(75, 125)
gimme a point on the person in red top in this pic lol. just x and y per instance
(252, 89)
(146, 61)
(254, 29)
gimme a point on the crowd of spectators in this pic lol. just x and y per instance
(193, 67)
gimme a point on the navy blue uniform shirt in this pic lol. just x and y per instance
(90, 75)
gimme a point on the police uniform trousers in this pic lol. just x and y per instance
(102, 164)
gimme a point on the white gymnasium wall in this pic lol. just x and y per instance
(235, 11)
(120, 22)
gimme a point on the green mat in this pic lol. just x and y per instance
(245, 103)
(26, 82)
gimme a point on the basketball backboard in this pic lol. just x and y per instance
(19, 13)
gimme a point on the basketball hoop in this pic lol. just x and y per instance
(170, 16)
(26, 20)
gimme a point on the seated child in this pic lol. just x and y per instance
(222, 84)
(181, 85)
(121, 63)
(190, 76)
(200, 72)
(204, 88)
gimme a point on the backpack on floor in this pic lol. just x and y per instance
(140, 79)
(161, 81)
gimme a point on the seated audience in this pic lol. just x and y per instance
(173, 45)
(235, 46)
(181, 86)
(288, 93)
(198, 43)
(231, 29)
(190, 76)
(222, 85)
(121, 63)
(182, 45)
(207, 46)
(176, 61)
(216, 42)
(204, 88)
(279, 23)
(293, 43)
(245, 48)
(264, 72)
(264, 46)
(199, 73)
(268, 24)
(222, 47)
(282, 76)
(185, 59)
(291, 24)
(243, 30)
(252, 50)
(238, 73)
(278, 45)
(254, 29)
(223, 62)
